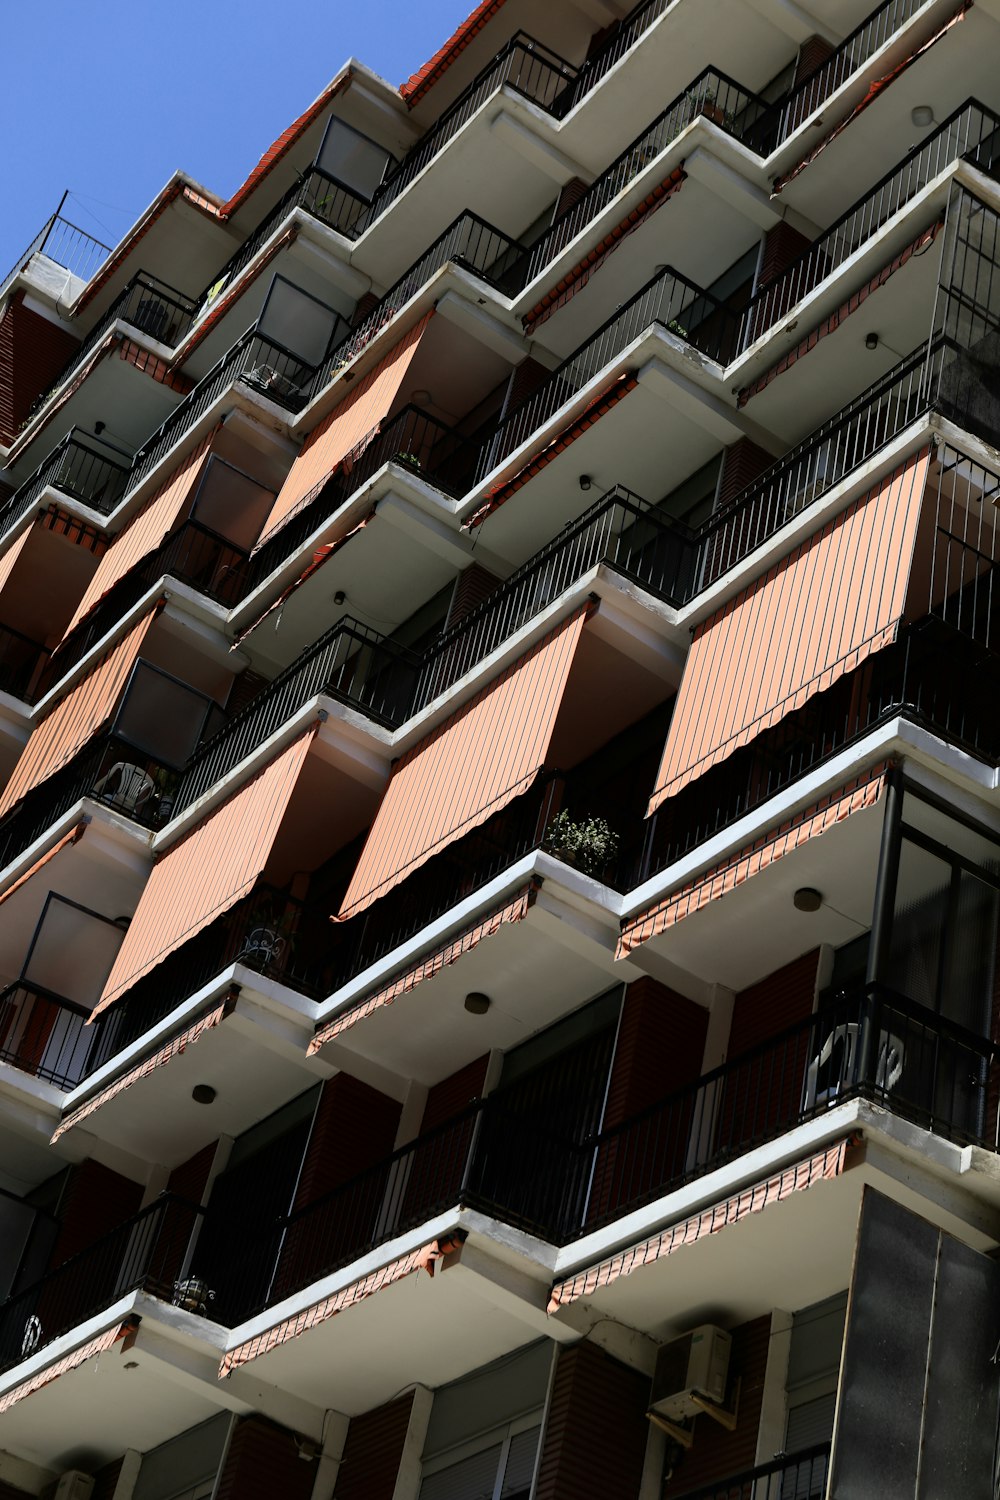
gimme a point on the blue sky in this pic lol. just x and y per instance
(109, 97)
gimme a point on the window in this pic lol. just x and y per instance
(502, 1470)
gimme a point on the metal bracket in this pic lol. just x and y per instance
(682, 1435)
(721, 1414)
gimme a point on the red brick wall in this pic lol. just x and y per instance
(527, 377)
(32, 353)
(471, 588)
(778, 1001)
(716, 1453)
(595, 1435)
(188, 1180)
(812, 55)
(105, 1480)
(96, 1200)
(569, 196)
(355, 1127)
(263, 1463)
(741, 465)
(661, 1042)
(782, 245)
(451, 1095)
(373, 1451)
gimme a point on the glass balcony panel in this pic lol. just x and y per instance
(231, 503)
(72, 951)
(296, 321)
(162, 716)
(355, 161)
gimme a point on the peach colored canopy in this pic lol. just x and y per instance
(473, 765)
(208, 870)
(146, 530)
(80, 714)
(817, 614)
(357, 417)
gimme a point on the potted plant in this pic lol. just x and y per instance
(589, 845)
(409, 460)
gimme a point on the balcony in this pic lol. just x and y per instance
(43, 1034)
(149, 306)
(144, 1254)
(193, 554)
(81, 467)
(793, 1476)
(65, 245)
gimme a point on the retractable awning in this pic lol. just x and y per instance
(357, 417)
(815, 615)
(478, 761)
(207, 871)
(77, 716)
(146, 530)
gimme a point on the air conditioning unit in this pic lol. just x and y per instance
(695, 1364)
(74, 1485)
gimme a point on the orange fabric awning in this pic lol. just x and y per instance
(73, 837)
(164, 1054)
(859, 794)
(81, 713)
(473, 765)
(357, 417)
(146, 530)
(207, 871)
(514, 909)
(9, 559)
(824, 1166)
(817, 614)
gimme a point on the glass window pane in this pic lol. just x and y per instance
(72, 952)
(231, 503)
(299, 323)
(470, 1479)
(352, 159)
(520, 1465)
(162, 718)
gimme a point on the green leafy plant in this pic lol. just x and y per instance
(410, 460)
(589, 845)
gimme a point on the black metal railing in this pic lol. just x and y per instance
(62, 242)
(149, 306)
(668, 299)
(259, 363)
(469, 242)
(267, 931)
(971, 133)
(351, 661)
(871, 1044)
(80, 467)
(624, 37)
(146, 1253)
(22, 662)
(43, 1034)
(810, 94)
(526, 66)
(790, 1476)
(141, 789)
(712, 94)
(932, 675)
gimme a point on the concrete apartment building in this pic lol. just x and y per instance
(499, 829)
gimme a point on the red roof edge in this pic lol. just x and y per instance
(286, 140)
(417, 85)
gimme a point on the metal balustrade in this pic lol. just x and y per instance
(149, 306)
(470, 242)
(712, 94)
(812, 92)
(43, 1034)
(524, 65)
(971, 133)
(668, 299)
(791, 1476)
(65, 244)
(80, 467)
(146, 1253)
